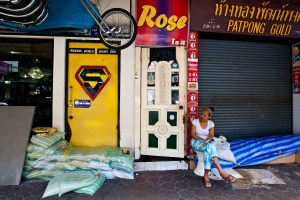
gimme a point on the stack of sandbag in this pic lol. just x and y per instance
(40, 147)
(50, 157)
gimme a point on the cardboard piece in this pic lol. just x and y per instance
(258, 176)
(297, 157)
(15, 128)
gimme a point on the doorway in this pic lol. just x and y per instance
(92, 94)
(163, 92)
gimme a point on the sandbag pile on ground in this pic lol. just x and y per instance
(51, 157)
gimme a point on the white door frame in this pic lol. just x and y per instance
(182, 61)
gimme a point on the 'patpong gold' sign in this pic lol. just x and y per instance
(260, 17)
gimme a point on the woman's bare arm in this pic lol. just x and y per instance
(193, 133)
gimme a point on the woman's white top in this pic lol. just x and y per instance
(203, 132)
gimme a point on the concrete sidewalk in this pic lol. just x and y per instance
(176, 184)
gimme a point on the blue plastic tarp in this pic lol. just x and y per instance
(255, 151)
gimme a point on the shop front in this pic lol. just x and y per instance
(235, 56)
(244, 65)
(75, 81)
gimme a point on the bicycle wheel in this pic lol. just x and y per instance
(118, 28)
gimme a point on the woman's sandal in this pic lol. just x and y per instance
(207, 184)
(229, 179)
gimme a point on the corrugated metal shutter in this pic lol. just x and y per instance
(248, 84)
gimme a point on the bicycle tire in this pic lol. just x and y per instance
(128, 32)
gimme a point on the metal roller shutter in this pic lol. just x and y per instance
(249, 85)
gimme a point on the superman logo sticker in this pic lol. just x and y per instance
(93, 79)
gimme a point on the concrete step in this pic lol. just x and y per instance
(160, 165)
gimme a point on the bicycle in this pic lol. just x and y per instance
(116, 27)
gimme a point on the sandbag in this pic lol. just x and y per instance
(92, 189)
(35, 148)
(41, 164)
(69, 181)
(41, 174)
(224, 152)
(47, 141)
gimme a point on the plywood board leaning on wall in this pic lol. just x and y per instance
(15, 128)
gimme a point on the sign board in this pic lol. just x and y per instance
(260, 17)
(192, 84)
(162, 23)
(296, 68)
(82, 103)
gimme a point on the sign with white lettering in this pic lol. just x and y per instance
(260, 17)
(82, 50)
(162, 23)
(82, 103)
(107, 51)
(192, 101)
(296, 75)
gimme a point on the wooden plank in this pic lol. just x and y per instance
(284, 159)
(15, 128)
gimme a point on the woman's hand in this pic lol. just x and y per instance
(210, 136)
(204, 143)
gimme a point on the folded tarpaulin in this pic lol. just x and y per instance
(261, 150)
(63, 17)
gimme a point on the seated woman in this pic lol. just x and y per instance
(202, 134)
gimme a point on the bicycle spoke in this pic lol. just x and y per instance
(118, 28)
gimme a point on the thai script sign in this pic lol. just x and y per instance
(296, 68)
(192, 55)
(296, 79)
(162, 23)
(260, 17)
(296, 75)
